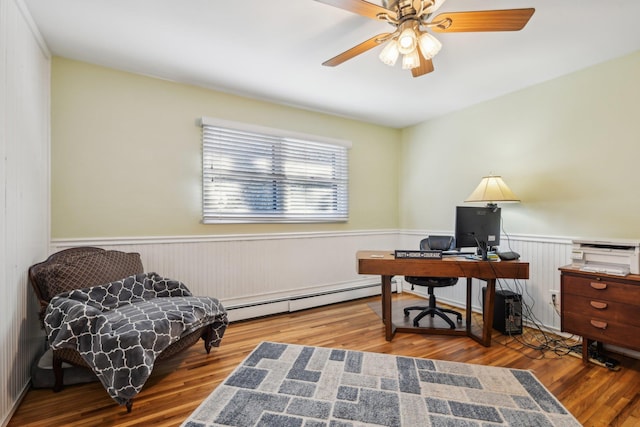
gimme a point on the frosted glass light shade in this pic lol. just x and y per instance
(390, 53)
(429, 45)
(407, 41)
(411, 60)
(492, 189)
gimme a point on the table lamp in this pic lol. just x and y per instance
(492, 189)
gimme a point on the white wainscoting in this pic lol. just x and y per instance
(257, 275)
(24, 194)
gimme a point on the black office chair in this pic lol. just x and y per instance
(442, 243)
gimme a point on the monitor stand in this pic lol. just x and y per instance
(483, 250)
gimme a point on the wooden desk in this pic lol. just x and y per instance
(383, 263)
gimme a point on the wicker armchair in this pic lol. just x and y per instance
(84, 267)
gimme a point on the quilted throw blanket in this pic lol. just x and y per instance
(121, 327)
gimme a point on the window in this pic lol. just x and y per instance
(255, 174)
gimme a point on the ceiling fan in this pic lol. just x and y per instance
(411, 19)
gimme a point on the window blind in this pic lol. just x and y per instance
(254, 175)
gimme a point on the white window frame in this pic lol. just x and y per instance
(256, 174)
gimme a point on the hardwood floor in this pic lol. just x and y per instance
(596, 396)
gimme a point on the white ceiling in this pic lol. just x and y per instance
(273, 50)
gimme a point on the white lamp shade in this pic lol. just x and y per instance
(429, 45)
(492, 189)
(411, 60)
(407, 41)
(390, 53)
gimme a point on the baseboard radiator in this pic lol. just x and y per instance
(287, 305)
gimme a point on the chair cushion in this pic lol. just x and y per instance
(434, 282)
(440, 243)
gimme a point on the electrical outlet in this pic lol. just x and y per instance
(555, 298)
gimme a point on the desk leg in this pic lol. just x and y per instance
(469, 308)
(487, 312)
(386, 308)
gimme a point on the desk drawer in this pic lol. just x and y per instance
(603, 330)
(604, 290)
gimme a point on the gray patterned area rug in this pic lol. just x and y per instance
(285, 385)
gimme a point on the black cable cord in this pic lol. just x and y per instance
(560, 346)
(504, 231)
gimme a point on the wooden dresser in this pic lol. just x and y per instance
(600, 307)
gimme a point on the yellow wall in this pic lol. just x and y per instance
(126, 156)
(569, 148)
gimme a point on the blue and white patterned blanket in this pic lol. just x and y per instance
(121, 327)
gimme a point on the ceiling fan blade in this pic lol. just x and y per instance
(426, 66)
(485, 20)
(357, 50)
(361, 7)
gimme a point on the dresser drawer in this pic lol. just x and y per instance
(612, 311)
(603, 289)
(603, 330)
(601, 308)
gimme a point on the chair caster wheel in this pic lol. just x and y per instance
(406, 313)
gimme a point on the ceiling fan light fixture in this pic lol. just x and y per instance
(413, 20)
(429, 45)
(407, 41)
(411, 60)
(390, 53)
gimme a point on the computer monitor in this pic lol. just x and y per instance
(477, 227)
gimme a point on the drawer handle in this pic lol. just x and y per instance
(598, 324)
(598, 285)
(599, 305)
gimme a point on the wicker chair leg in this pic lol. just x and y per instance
(129, 405)
(207, 336)
(58, 374)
